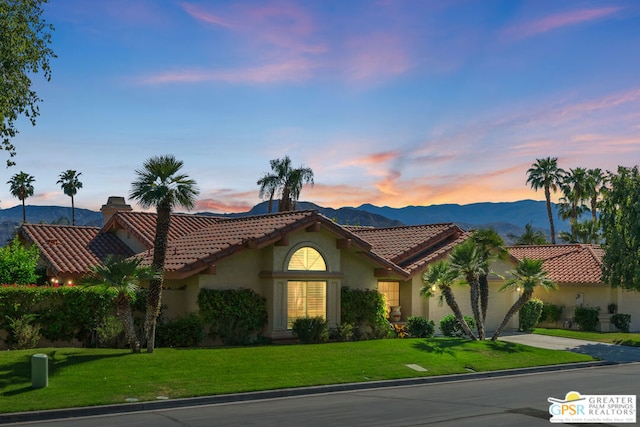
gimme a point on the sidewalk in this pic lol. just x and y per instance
(609, 352)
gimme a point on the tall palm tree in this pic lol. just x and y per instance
(21, 186)
(527, 275)
(70, 184)
(467, 262)
(529, 237)
(443, 276)
(596, 179)
(582, 232)
(160, 184)
(545, 173)
(285, 180)
(574, 188)
(123, 276)
(490, 246)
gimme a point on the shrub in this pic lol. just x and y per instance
(621, 321)
(342, 332)
(420, 327)
(366, 311)
(530, 314)
(23, 333)
(235, 315)
(311, 330)
(180, 332)
(108, 332)
(551, 312)
(450, 327)
(18, 264)
(586, 317)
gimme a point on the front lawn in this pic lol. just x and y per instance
(606, 337)
(83, 377)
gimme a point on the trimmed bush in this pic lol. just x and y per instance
(108, 332)
(311, 330)
(420, 327)
(450, 327)
(530, 314)
(24, 333)
(366, 311)
(235, 315)
(621, 321)
(343, 332)
(180, 332)
(551, 312)
(587, 317)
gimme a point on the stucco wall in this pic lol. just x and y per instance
(596, 295)
(130, 241)
(629, 303)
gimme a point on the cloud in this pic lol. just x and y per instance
(560, 20)
(205, 16)
(371, 56)
(219, 206)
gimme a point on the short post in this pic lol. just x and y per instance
(39, 371)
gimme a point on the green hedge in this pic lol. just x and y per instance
(530, 314)
(64, 313)
(587, 317)
(363, 309)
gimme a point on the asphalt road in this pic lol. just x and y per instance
(508, 401)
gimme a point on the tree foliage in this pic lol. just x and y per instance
(546, 174)
(70, 184)
(25, 38)
(285, 181)
(21, 186)
(18, 264)
(620, 220)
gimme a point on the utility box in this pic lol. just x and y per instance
(39, 371)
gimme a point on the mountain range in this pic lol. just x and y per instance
(507, 218)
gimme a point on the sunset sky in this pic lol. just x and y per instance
(390, 102)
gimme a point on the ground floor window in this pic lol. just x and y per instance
(306, 299)
(391, 290)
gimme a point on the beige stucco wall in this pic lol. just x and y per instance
(130, 241)
(629, 303)
(595, 295)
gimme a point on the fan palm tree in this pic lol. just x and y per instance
(528, 274)
(160, 184)
(467, 262)
(21, 186)
(574, 188)
(529, 237)
(546, 174)
(70, 184)
(285, 180)
(596, 179)
(122, 276)
(442, 276)
(490, 246)
(582, 232)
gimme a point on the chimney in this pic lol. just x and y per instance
(114, 204)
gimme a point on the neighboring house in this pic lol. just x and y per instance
(577, 270)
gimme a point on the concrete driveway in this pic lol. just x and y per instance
(608, 352)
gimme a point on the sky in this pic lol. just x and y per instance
(389, 102)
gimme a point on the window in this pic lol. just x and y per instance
(306, 299)
(307, 259)
(392, 291)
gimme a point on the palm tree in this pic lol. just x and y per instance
(285, 180)
(70, 184)
(574, 188)
(582, 232)
(527, 275)
(545, 173)
(596, 179)
(442, 276)
(529, 237)
(123, 276)
(21, 186)
(490, 246)
(159, 184)
(467, 262)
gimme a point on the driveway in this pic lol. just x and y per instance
(608, 352)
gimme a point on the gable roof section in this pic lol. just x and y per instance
(71, 250)
(412, 247)
(142, 225)
(571, 264)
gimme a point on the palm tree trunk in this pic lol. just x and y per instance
(484, 296)
(475, 304)
(453, 304)
(123, 307)
(285, 203)
(24, 213)
(547, 195)
(155, 285)
(516, 307)
(73, 212)
(594, 214)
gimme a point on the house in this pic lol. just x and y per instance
(577, 270)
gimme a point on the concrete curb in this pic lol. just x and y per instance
(88, 411)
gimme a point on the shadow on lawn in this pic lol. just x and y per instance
(447, 346)
(19, 372)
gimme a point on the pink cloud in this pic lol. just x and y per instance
(213, 205)
(552, 22)
(205, 16)
(374, 55)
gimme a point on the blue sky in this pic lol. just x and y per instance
(389, 102)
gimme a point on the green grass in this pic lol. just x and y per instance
(83, 377)
(607, 337)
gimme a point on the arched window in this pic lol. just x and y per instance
(306, 298)
(307, 259)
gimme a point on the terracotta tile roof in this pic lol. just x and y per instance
(142, 225)
(412, 247)
(71, 250)
(576, 263)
